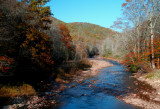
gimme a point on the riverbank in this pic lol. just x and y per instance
(41, 101)
(93, 71)
(145, 98)
(99, 91)
(114, 59)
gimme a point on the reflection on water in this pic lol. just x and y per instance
(99, 92)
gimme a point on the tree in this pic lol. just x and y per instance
(142, 16)
(37, 42)
(28, 22)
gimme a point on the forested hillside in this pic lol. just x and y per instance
(92, 36)
(92, 39)
(90, 30)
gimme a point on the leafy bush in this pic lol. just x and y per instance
(133, 68)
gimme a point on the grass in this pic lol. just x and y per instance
(154, 74)
(14, 91)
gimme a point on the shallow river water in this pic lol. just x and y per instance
(99, 92)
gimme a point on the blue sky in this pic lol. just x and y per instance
(100, 12)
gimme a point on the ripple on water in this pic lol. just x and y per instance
(99, 92)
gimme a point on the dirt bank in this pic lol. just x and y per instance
(93, 71)
(146, 99)
(111, 58)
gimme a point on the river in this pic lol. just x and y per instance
(99, 92)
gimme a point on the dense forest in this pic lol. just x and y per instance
(34, 42)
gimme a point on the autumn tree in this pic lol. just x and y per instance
(142, 17)
(37, 42)
(11, 29)
(29, 20)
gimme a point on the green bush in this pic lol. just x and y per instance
(133, 68)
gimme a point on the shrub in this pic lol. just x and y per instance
(14, 91)
(5, 64)
(133, 68)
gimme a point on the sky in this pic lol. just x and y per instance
(100, 12)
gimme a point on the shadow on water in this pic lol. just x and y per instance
(99, 92)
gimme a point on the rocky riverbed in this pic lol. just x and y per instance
(147, 97)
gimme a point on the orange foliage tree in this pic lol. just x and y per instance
(37, 42)
(24, 24)
(66, 38)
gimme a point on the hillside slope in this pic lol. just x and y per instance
(86, 29)
(90, 30)
(89, 37)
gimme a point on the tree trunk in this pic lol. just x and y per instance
(152, 46)
(158, 63)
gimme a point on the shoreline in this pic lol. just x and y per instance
(147, 100)
(142, 98)
(113, 59)
(40, 101)
(93, 71)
